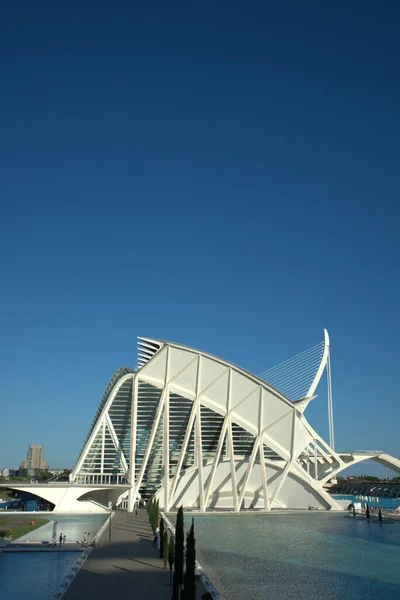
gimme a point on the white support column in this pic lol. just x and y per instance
(103, 441)
(134, 407)
(116, 443)
(159, 412)
(263, 473)
(95, 431)
(216, 459)
(231, 447)
(249, 469)
(188, 433)
(132, 462)
(166, 433)
(315, 460)
(166, 448)
(233, 470)
(281, 482)
(330, 405)
(261, 457)
(88, 446)
(198, 443)
(290, 462)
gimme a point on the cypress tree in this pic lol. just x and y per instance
(161, 538)
(150, 508)
(179, 542)
(153, 509)
(165, 549)
(171, 556)
(157, 515)
(153, 515)
(190, 578)
(149, 511)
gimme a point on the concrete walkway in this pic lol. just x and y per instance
(128, 566)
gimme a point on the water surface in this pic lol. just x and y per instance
(33, 575)
(299, 556)
(38, 575)
(73, 526)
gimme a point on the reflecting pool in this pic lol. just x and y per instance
(33, 575)
(302, 556)
(38, 575)
(73, 526)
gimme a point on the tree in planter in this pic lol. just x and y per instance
(5, 533)
(165, 549)
(190, 577)
(171, 556)
(157, 513)
(161, 538)
(151, 515)
(149, 508)
(150, 511)
(179, 542)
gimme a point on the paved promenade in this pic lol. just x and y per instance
(129, 565)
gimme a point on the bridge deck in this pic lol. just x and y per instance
(64, 484)
(129, 565)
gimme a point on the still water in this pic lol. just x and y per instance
(37, 575)
(73, 526)
(33, 575)
(299, 556)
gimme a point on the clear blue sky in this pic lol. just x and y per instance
(222, 174)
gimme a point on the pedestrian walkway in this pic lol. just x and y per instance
(128, 565)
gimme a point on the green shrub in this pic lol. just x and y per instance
(171, 556)
(165, 550)
(190, 577)
(179, 545)
(161, 538)
(5, 533)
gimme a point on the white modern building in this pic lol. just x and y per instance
(198, 431)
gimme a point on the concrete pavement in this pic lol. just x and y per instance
(130, 564)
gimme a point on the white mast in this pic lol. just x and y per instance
(329, 385)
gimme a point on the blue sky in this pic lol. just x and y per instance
(224, 175)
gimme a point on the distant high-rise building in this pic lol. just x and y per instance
(35, 458)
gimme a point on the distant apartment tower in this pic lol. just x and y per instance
(35, 458)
